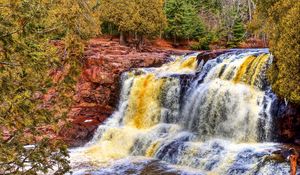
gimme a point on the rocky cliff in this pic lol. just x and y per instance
(98, 85)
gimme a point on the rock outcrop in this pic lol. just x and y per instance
(98, 86)
(287, 122)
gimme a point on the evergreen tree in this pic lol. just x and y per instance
(280, 20)
(143, 17)
(27, 58)
(238, 33)
(183, 20)
(149, 19)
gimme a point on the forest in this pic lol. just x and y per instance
(42, 38)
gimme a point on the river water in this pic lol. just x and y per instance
(189, 117)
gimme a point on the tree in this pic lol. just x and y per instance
(238, 33)
(281, 23)
(220, 17)
(183, 20)
(149, 19)
(285, 45)
(113, 11)
(27, 59)
(142, 17)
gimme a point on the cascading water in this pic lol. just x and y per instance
(189, 117)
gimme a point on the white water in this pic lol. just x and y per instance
(193, 118)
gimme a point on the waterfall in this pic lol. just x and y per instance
(189, 117)
(228, 101)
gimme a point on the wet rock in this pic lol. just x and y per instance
(207, 55)
(84, 120)
(286, 121)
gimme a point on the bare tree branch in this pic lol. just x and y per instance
(9, 64)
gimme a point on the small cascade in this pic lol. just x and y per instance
(228, 101)
(189, 117)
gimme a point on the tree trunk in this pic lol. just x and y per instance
(265, 40)
(140, 42)
(250, 10)
(122, 38)
(175, 41)
(136, 37)
(160, 34)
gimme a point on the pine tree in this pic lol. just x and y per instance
(183, 20)
(238, 33)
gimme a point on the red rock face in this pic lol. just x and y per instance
(98, 86)
(286, 122)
